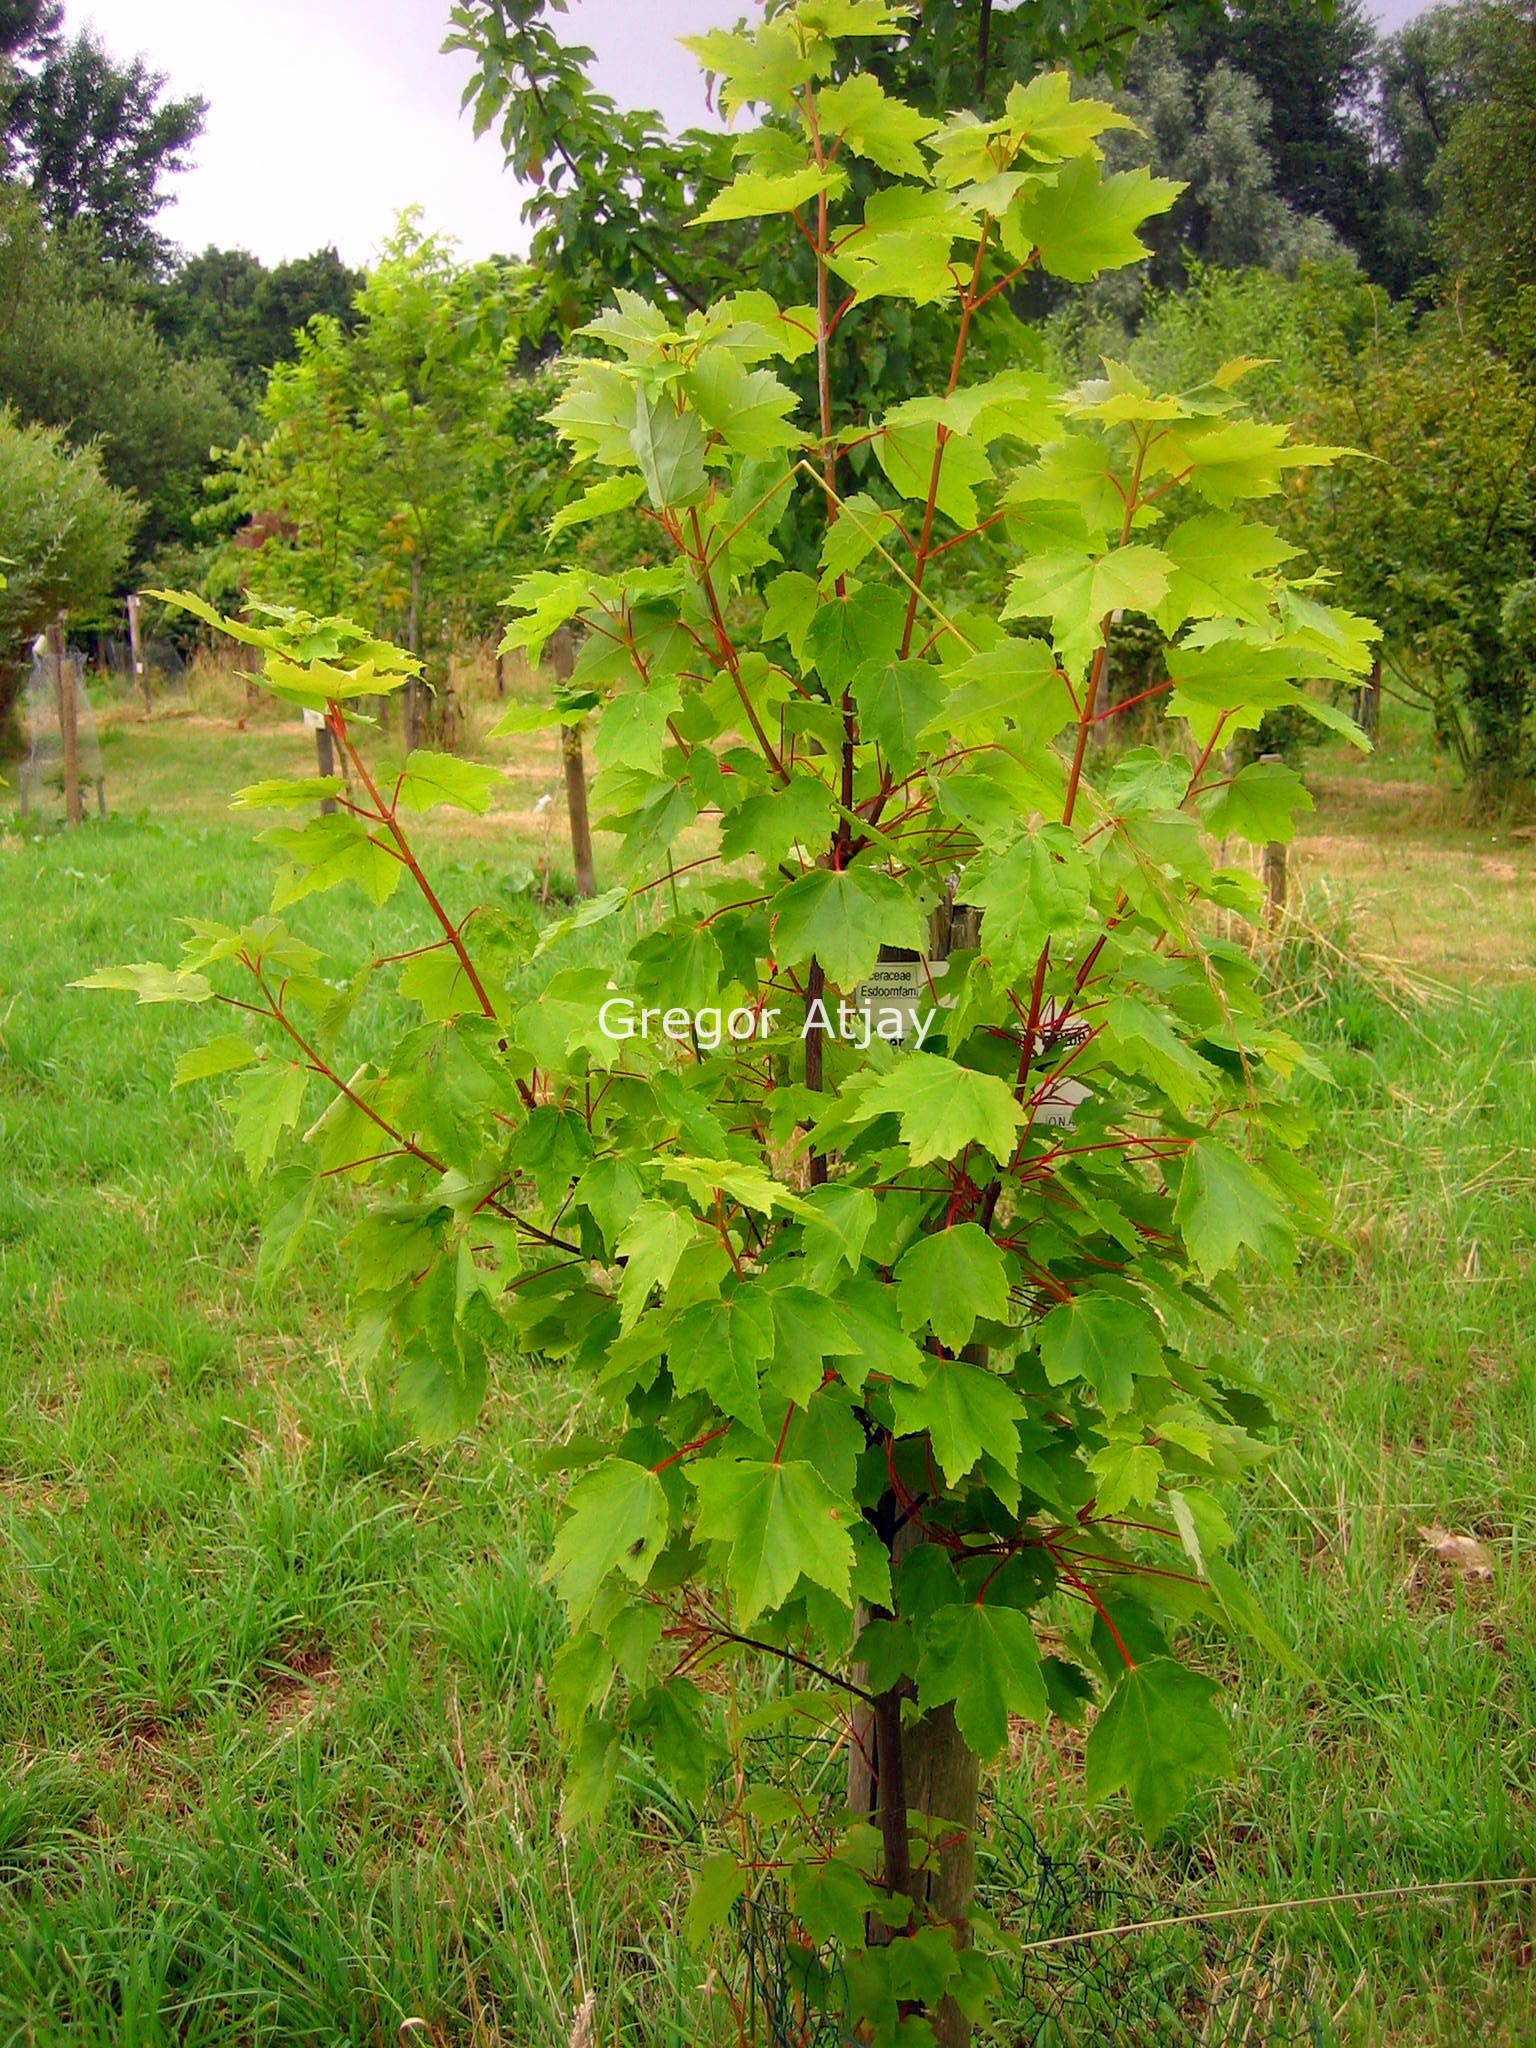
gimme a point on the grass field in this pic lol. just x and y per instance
(277, 1767)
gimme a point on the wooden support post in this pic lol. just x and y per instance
(1274, 870)
(413, 645)
(325, 755)
(69, 713)
(136, 649)
(562, 650)
(576, 804)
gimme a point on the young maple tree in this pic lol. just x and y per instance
(902, 1366)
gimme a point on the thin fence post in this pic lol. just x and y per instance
(136, 649)
(325, 755)
(563, 654)
(576, 804)
(1274, 872)
(413, 645)
(69, 713)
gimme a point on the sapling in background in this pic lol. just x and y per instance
(900, 1383)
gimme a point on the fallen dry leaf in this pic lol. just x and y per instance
(1462, 1553)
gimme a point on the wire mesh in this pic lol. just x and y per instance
(42, 772)
(1087, 1972)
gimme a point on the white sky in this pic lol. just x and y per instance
(326, 117)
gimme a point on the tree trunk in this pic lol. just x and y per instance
(921, 1767)
(943, 1783)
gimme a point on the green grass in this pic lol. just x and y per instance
(277, 1767)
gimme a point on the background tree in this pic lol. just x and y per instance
(1209, 128)
(228, 305)
(1313, 68)
(93, 138)
(1435, 531)
(64, 541)
(1485, 175)
(402, 466)
(76, 357)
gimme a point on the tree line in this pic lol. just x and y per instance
(1356, 205)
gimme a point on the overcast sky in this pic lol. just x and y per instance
(326, 117)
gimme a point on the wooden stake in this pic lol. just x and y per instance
(325, 754)
(1274, 870)
(136, 649)
(576, 804)
(413, 644)
(69, 729)
(562, 650)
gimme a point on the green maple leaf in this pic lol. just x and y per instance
(771, 824)
(1104, 1340)
(223, 1055)
(949, 1280)
(906, 454)
(677, 967)
(843, 918)
(985, 1660)
(1083, 223)
(897, 701)
(1126, 1471)
(753, 193)
(779, 1523)
(616, 1520)
(1215, 561)
(651, 1247)
(905, 247)
(431, 779)
(965, 1410)
(848, 633)
(943, 1107)
(328, 851)
(791, 604)
(1051, 123)
(1259, 804)
(748, 409)
(718, 1347)
(860, 527)
(669, 447)
(1016, 684)
(267, 1100)
(1243, 459)
(1037, 889)
(807, 1330)
(1159, 1731)
(1077, 590)
(612, 494)
(1224, 1204)
(150, 982)
(873, 125)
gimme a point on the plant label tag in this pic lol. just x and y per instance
(898, 996)
(313, 720)
(1060, 1031)
(1057, 1108)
